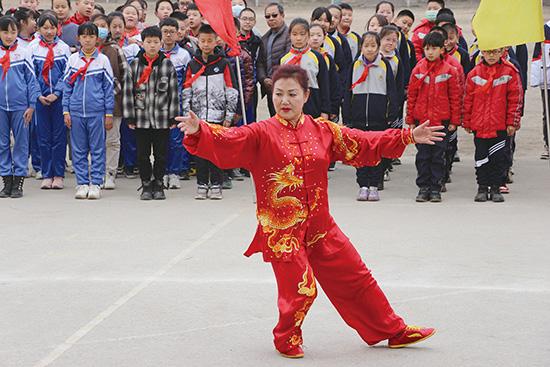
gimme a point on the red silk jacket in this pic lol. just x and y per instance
(289, 166)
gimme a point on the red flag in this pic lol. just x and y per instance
(219, 15)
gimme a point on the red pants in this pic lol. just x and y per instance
(348, 284)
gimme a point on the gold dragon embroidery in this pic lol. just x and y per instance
(303, 287)
(284, 212)
(350, 149)
(217, 130)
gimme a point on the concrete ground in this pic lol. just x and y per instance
(120, 282)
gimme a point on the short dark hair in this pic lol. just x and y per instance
(193, 6)
(382, 20)
(247, 9)
(169, 22)
(113, 15)
(440, 30)
(449, 27)
(317, 13)
(346, 6)
(280, 7)
(335, 6)
(88, 29)
(434, 39)
(406, 13)
(298, 21)
(100, 8)
(370, 34)
(445, 17)
(178, 15)
(99, 16)
(440, 2)
(311, 26)
(206, 29)
(388, 29)
(47, 17)
(151, 32)
(157, 4)
(7, 22)
(292, 72)
(385, 2)
(22, 14)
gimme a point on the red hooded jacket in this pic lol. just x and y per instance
(419, 32)
(494, 97)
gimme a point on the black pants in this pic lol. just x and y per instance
(492, 158)
(452, 148)
(207, 172)
(430, 164)
(158, 140)
(544, 130)
(371, 176)
(270, 105)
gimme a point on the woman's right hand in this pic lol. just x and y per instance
(189, 124)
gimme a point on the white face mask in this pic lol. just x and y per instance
(237, 10)
(431, 15)
(102, 33)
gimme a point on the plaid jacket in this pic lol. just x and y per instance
(152, 105)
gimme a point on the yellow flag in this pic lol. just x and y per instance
(500, 23)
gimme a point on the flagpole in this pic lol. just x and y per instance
(545, 78)
(241, 92)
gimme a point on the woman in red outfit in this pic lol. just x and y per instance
(288, 155)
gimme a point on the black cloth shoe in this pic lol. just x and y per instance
(423, 195)
(496, 196)
(158, 190)
(146, 190)
(17, 187)
(8, 183)
(435, 197)
(381, 185)
(482, 194)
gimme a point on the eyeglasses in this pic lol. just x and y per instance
(168, 32)
(270, 16)
(492, 52)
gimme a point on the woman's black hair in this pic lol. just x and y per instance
(366, 35)
(100, 8)
(23, 14)
(311, 26)
(434, 39)
(113, 15)
(385, 2)
(99, 16)
(151, 32)
(88, 29)
(296, 22)
(68, 3)
(318, 13)
(7, 22)
(47, 17)
(237, 23)
(157, 4)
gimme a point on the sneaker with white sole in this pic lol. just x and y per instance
(94, 192)
(110, 183)
(82, 192)
(38, 175)
(173, 182)
(202, 192)
(363, 194)
(216, 192)
(373, 194)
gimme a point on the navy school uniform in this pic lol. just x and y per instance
(373, 101)
(52, 133)
(177, 158)
(347, 58)
(354, 41)
(18, 91)
(404, 58)
(315, 66)
(398, 70)
(334, 83)
(88, 98)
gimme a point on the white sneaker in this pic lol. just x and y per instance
(109, 182)
(173, 182)
(216, 192)
(166, 181)
(82, 192)
(38, 175)
(94, 193)
(387, 176)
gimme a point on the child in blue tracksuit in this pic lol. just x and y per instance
(177, 159)
(87, 105)
(373, 100)
(49, 56)
(18, 93)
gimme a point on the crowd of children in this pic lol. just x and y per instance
(107, 88)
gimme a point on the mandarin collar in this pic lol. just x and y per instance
(286, 123)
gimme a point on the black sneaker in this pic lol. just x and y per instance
(158, 190)
(456, 158)
(146, 190)
(396, 162)
(435, 197)
(423, 195)
(17, 187)
(496, 196)
(482, 194)
(444, 188)
(8, 183)
(129, 172)
(381, 185)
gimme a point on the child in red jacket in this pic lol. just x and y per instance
(492, 111)
(435, 96)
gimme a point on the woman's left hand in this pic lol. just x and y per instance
(425, 134)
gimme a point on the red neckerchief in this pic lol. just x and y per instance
(127, 35)
(30, 39)
(48, 63)
(144, 78)
(5, 60)
(190, 82)
(78, 19)
(82, 71)
(431, 66)
(244, 38)
(297, 59)
(363, 76)
(60, 26)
